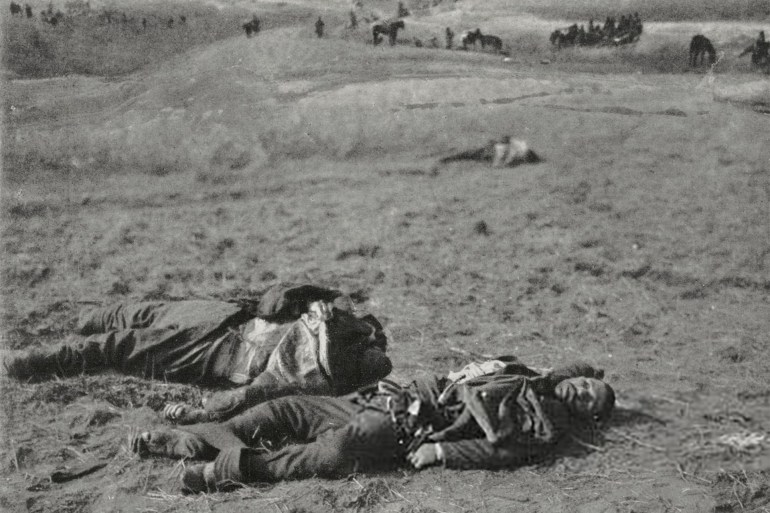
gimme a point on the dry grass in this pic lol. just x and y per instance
(640, 243)
(165, 121)
(86, 44)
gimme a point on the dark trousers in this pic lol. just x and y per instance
(321, 436)
(184, 341)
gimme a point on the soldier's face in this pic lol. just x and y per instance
(356, 349)
(584, 396)
(345, 329)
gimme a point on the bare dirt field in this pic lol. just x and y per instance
(217, 165)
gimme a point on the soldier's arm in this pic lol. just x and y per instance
(481, 454)
(263, 388)
(226, 404)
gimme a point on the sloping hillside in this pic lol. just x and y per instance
(219, 167)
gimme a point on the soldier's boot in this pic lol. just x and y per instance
(43, 364)
(199, 479)
(172, 443)
(35, 365)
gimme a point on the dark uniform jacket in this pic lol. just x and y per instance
(490, 421)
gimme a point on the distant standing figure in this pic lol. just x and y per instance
(700, 45)
(402, 10)
(182, 19)
(144, 23)
(319, 27)
(170, 22)
(449, 38)
(353, 19)
(28, 10)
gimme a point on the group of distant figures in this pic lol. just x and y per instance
(17, 9)
(627, 30)
(701, 48)
(252, 27)
(106, 16)
(468, 38)
(47, 16)
(471, 37)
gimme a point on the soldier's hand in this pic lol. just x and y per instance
(174, 412)
(424, 456)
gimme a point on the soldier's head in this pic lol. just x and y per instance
(588, 398)
(355, 344)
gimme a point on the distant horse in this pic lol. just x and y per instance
(489, 40)
(468, 38)
(700, 45)
(556, 38)
(251, 26)
(389, 27)
(561, 39)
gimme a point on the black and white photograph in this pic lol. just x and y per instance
(385, 256)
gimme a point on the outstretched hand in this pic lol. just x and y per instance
(174, 411)
(180, 413)
(424, 456)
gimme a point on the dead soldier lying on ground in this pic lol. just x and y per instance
(498, 414)
(506, 152)
(294, 339)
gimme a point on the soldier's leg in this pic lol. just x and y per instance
(121, 316)
(301, 418)
(143, 315)
(155, 340)
(128, 351)
(298, 418)
(367, 443)
(172, 443)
